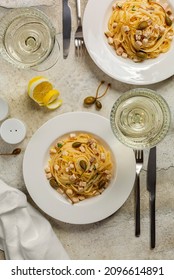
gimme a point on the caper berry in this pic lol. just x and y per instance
(76, 144)
(53, 183)
(83, 164)
(168, 20)
(141, 55)
(142, 25)
(98, 104)
(89, 100)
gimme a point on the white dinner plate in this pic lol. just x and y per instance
(150, 71)
(54, 204)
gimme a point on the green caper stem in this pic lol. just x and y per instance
(97, 92)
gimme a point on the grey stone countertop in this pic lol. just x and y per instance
(112, 238)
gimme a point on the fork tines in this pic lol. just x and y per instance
(79, 46)
(138, 154)
(78, 39)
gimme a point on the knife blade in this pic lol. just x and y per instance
(66, 28)
(151, 187)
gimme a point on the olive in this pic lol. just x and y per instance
(142, 25)
(89, 100)
(168, 20)
(83, 164)
(76, 144)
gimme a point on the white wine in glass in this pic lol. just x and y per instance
(140, 118)
(27, 39)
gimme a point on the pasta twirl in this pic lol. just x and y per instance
(79, 167)
(140, 30)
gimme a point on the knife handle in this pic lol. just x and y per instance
(137, 206)
(152, 224)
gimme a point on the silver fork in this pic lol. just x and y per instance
(139, 164)
(78, 40)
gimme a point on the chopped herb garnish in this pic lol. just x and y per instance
(59, 145)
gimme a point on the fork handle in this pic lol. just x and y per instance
(78, 3)
(137, 206)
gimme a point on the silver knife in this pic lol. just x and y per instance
(66, 28)
(151, 187)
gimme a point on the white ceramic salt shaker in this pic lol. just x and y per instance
(13, 131)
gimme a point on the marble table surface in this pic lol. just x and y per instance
(113, 237)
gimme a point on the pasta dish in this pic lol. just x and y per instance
(140, 29)
(79, 167)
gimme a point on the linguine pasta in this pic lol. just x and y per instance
(79, 167)
(140, 29)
